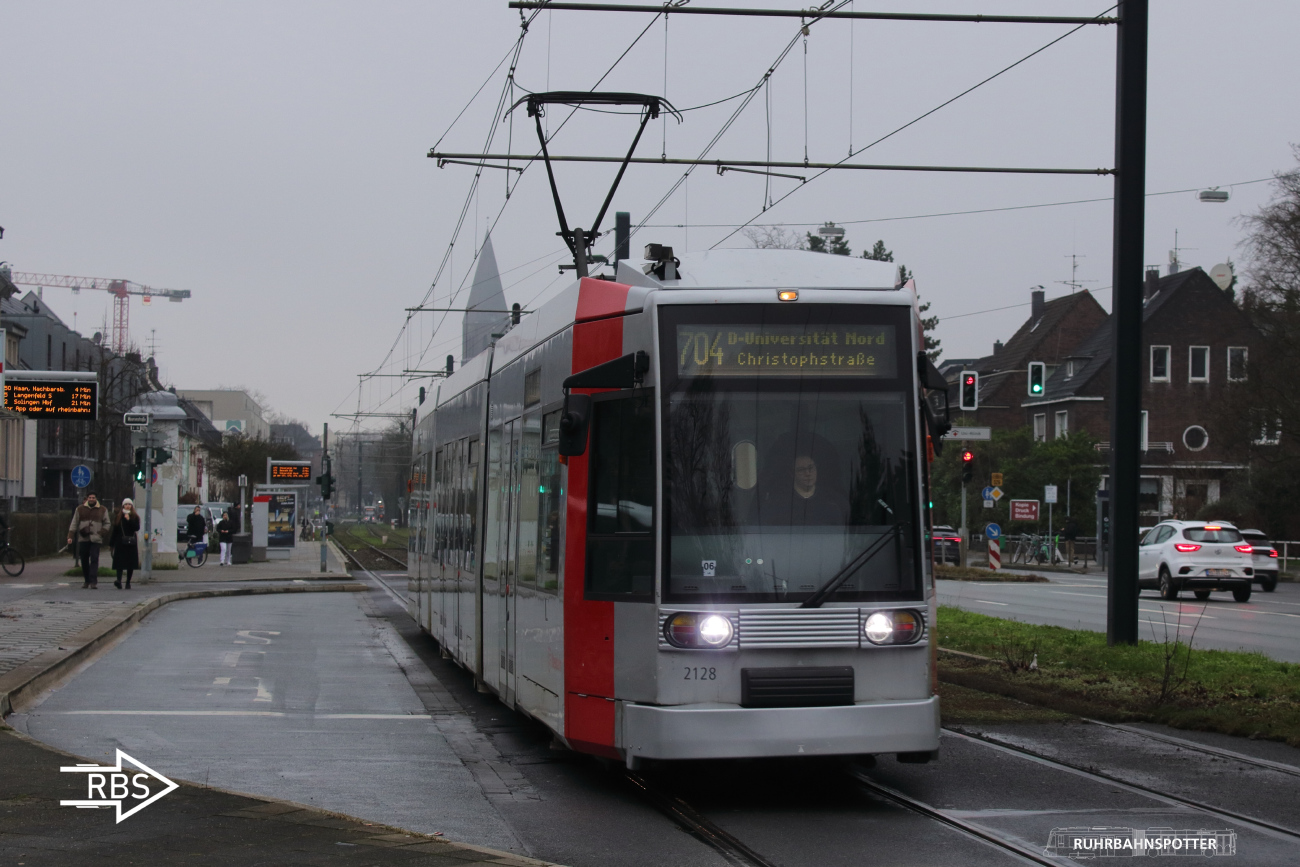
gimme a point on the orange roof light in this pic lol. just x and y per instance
(788, 295)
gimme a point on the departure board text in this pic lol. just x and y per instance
(290, 472)
(53, 399)
(787, 350)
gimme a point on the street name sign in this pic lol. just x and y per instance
(1024, 510)
(136, 419)
(969, 433)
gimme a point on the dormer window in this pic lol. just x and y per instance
(1069, 369)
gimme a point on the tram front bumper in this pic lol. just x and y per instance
(731, 732)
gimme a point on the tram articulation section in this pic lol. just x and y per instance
(680, 514)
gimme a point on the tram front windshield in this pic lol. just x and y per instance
(788, 453)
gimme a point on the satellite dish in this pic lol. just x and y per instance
(1221, 275)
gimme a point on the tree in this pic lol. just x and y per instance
(240, 455)
(838, 246)
(1260, 418)
(1026, 467)
(880, 253)
(773, 238)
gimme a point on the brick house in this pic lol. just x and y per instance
(1053, 331)
(1196, 343)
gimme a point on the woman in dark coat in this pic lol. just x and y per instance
(126, 556)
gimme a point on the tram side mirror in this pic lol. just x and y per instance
(574, 422)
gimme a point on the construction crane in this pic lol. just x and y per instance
(121, 290)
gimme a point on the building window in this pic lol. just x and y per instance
(1145, 434)
(1236, 363)
(1160, 364)
(1268, 430)
(1149, 495)
(1062, 424)
(1069, 370)
(1198, 364)
(1040, 427)
(1196, 438)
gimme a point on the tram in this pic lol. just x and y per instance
(679, 513)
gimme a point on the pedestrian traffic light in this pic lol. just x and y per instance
(160, 456)
(967, 466)
(141, 465)
(1037, 378)
(325, 480)
(970, 386)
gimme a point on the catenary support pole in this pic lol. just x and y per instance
(324, 503)
(1126, 305)
(146, 568)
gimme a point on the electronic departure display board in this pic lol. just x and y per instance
(53, 398)
(290, 472)
(787, 350)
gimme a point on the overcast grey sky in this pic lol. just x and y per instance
(270, 157)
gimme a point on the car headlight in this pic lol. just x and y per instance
(699, 631)
(892, 627)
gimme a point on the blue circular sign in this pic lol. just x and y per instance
(81, 476)
(986, 493)
(993, 531)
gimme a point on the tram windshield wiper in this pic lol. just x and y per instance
(820, 596)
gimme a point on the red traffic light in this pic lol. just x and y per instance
(967, 456)
(970, 379)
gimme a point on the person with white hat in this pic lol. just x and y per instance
(126, 555)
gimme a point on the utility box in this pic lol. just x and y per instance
(257, 539)
(241, 549)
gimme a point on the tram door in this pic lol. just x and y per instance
(504, 536)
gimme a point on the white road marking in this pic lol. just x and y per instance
(248, 634)
(987, 602)
(1086, 595)
(220, 681)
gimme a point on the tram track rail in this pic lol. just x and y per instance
(1262, 825)
(1196, 746)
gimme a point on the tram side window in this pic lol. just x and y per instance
(439, 507)
(494, 495)
(550, 505)
(620, 536)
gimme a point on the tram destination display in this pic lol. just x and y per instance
(787, 350)
(53, 398)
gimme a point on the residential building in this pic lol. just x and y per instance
(1195, 344)
(231, 410)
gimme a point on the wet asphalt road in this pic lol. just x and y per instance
(1268, 623)
(336, 700)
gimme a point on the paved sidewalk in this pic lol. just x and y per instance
(193, 825)
(47, 620)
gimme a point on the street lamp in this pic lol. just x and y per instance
(1213, 194)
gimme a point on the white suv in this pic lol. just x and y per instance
(1265, 559)
(1195, 555)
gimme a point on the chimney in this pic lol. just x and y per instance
(1039, 299)
(997, 346)
(1152, 285)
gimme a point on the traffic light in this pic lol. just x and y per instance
(160, 456)
(970, 387)
(325, 480)
(967, 466)
(141, 465)
(1037, 378)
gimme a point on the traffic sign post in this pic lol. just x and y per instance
(1049, 497)
(81, 476)
(994, 534)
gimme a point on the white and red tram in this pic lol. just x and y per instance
(734, 564)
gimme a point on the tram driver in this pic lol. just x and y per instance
(801, 497)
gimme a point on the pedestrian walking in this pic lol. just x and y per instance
(1070, 532)
(89, 528)
(226, 538)
(122, 542)
(195, 525)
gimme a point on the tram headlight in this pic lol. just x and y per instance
(892, 627)
(700, 631)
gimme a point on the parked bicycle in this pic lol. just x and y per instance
(11, 559)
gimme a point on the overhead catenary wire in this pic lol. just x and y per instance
(923, 116)
(505, 90)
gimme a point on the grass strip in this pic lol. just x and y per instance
(1162, 681)
(970, 573)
